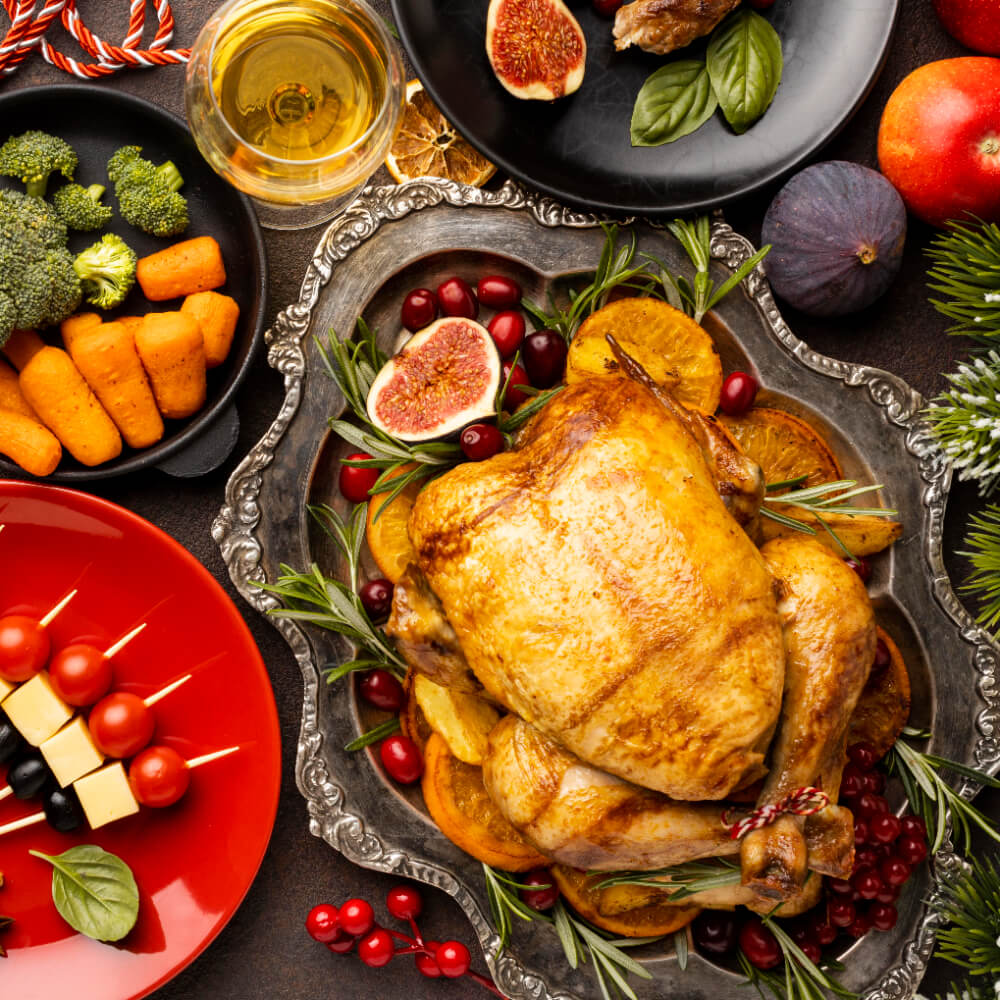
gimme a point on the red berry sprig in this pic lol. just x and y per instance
(353, 926)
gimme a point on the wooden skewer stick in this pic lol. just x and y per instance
(47, 620)
(169, 689)
(207, 758)
(5, 792)
(20, 824)
(123, 642)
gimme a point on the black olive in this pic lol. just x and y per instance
(62, 808)
(10, 740)
(27, 775)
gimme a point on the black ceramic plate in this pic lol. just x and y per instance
(96, 122)
(578, 148)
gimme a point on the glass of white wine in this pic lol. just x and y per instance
(295, 102)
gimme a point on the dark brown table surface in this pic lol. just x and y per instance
(264, 953)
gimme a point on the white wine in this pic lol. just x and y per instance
(299, 84)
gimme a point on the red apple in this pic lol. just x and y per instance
(975, 23)
(939, 140)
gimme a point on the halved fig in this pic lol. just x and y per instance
(536, 48)
(446, 376)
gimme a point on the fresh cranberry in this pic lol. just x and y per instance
(863, 755)
(882, 655)
(884, 827)
(381, 689)
(841, 913)
(453, 959)
(427, 964)
(507, 330)
(911, 849)
(852, 785)
(540, 899)
(812, 951)
(714, 932)
(759, 944)
(513, 376)
(457, 299)
(867, 883)
(498, 292)
(377, 948)
(480, 441)
(861, 926)
(607, 8)
(875, 782)
(402, 759)
(883, 916)
(823, 933)
(544, 358)
(862, 567)
(738, 393)
(357, 917)
(865, 857)
(761, 4)
(914, 826)
(404, 902)
(869, 805)
(355, 483)
(840, 887)
(376, 597)
(323, 923)
(860, 833)
(341, 946)
(420, 309)
(889, 894)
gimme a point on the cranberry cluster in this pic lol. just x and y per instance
(887, 849)
(352, 925)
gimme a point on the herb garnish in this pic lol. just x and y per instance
(374, 735)
(970, 902)
(983, 551)
(688, 878)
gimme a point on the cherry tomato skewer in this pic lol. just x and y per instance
(30, 820)
(121, 724)
(25, 643)
(81, 673)
(160, 776)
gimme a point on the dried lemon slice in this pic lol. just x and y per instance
(427, 145)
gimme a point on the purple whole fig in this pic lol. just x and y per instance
(836, 231)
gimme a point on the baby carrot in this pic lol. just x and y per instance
(173, 353)
(22, 347)
(28, 443)
(216, 315)
(11, 397)
(182, 269)
(107, 359)
(131, 322)
(73, 326)
(56, 390)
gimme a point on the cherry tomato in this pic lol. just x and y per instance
(159, 777)
(518, 376)
(738, 393)
(498, 292)
(323, 923)
(381, 689)
(80, 674)
(24, 648)
(420, 309)
(376, 597)
(404, 902)
(507, 330)
(480, 441)
(377, 948)
(457, 299)
(356, 483)
(402, 759)
(453, 959)
(121, 724)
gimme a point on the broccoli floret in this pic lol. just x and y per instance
(38, 285)
(33, 156)
(80, 207)
(107, 271)
(148, 194)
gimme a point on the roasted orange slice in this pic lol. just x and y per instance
(412, 721)
(884, 705)
(784, 446)
(460, 805)
(386, 533)
(610, 909)
(427, 145)
(675, 351)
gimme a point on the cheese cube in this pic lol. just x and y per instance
(106, 795)
(71, 753)
(36, 711)
(5, 688)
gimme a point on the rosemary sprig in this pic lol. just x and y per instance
(933, 798)
(983, 583)
(376, 735)
(966, 271)
(581, 942)
(690, 877)
(971, 905)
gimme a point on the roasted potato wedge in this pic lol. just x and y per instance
(863, 534)
(462, 720)
(884, 705)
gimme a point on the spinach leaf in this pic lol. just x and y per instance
(674, 101)
(94, 891)
(744, 63)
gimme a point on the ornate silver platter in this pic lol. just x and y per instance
(396, 238)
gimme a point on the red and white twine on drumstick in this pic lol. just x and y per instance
(803, 802)
(27, 29)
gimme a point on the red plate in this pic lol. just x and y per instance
(194, 861)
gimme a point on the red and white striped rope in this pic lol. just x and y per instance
(27, 29)
(802, 802)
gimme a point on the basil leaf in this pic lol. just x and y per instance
(94, 892)
(744, 63)
(674, 101)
